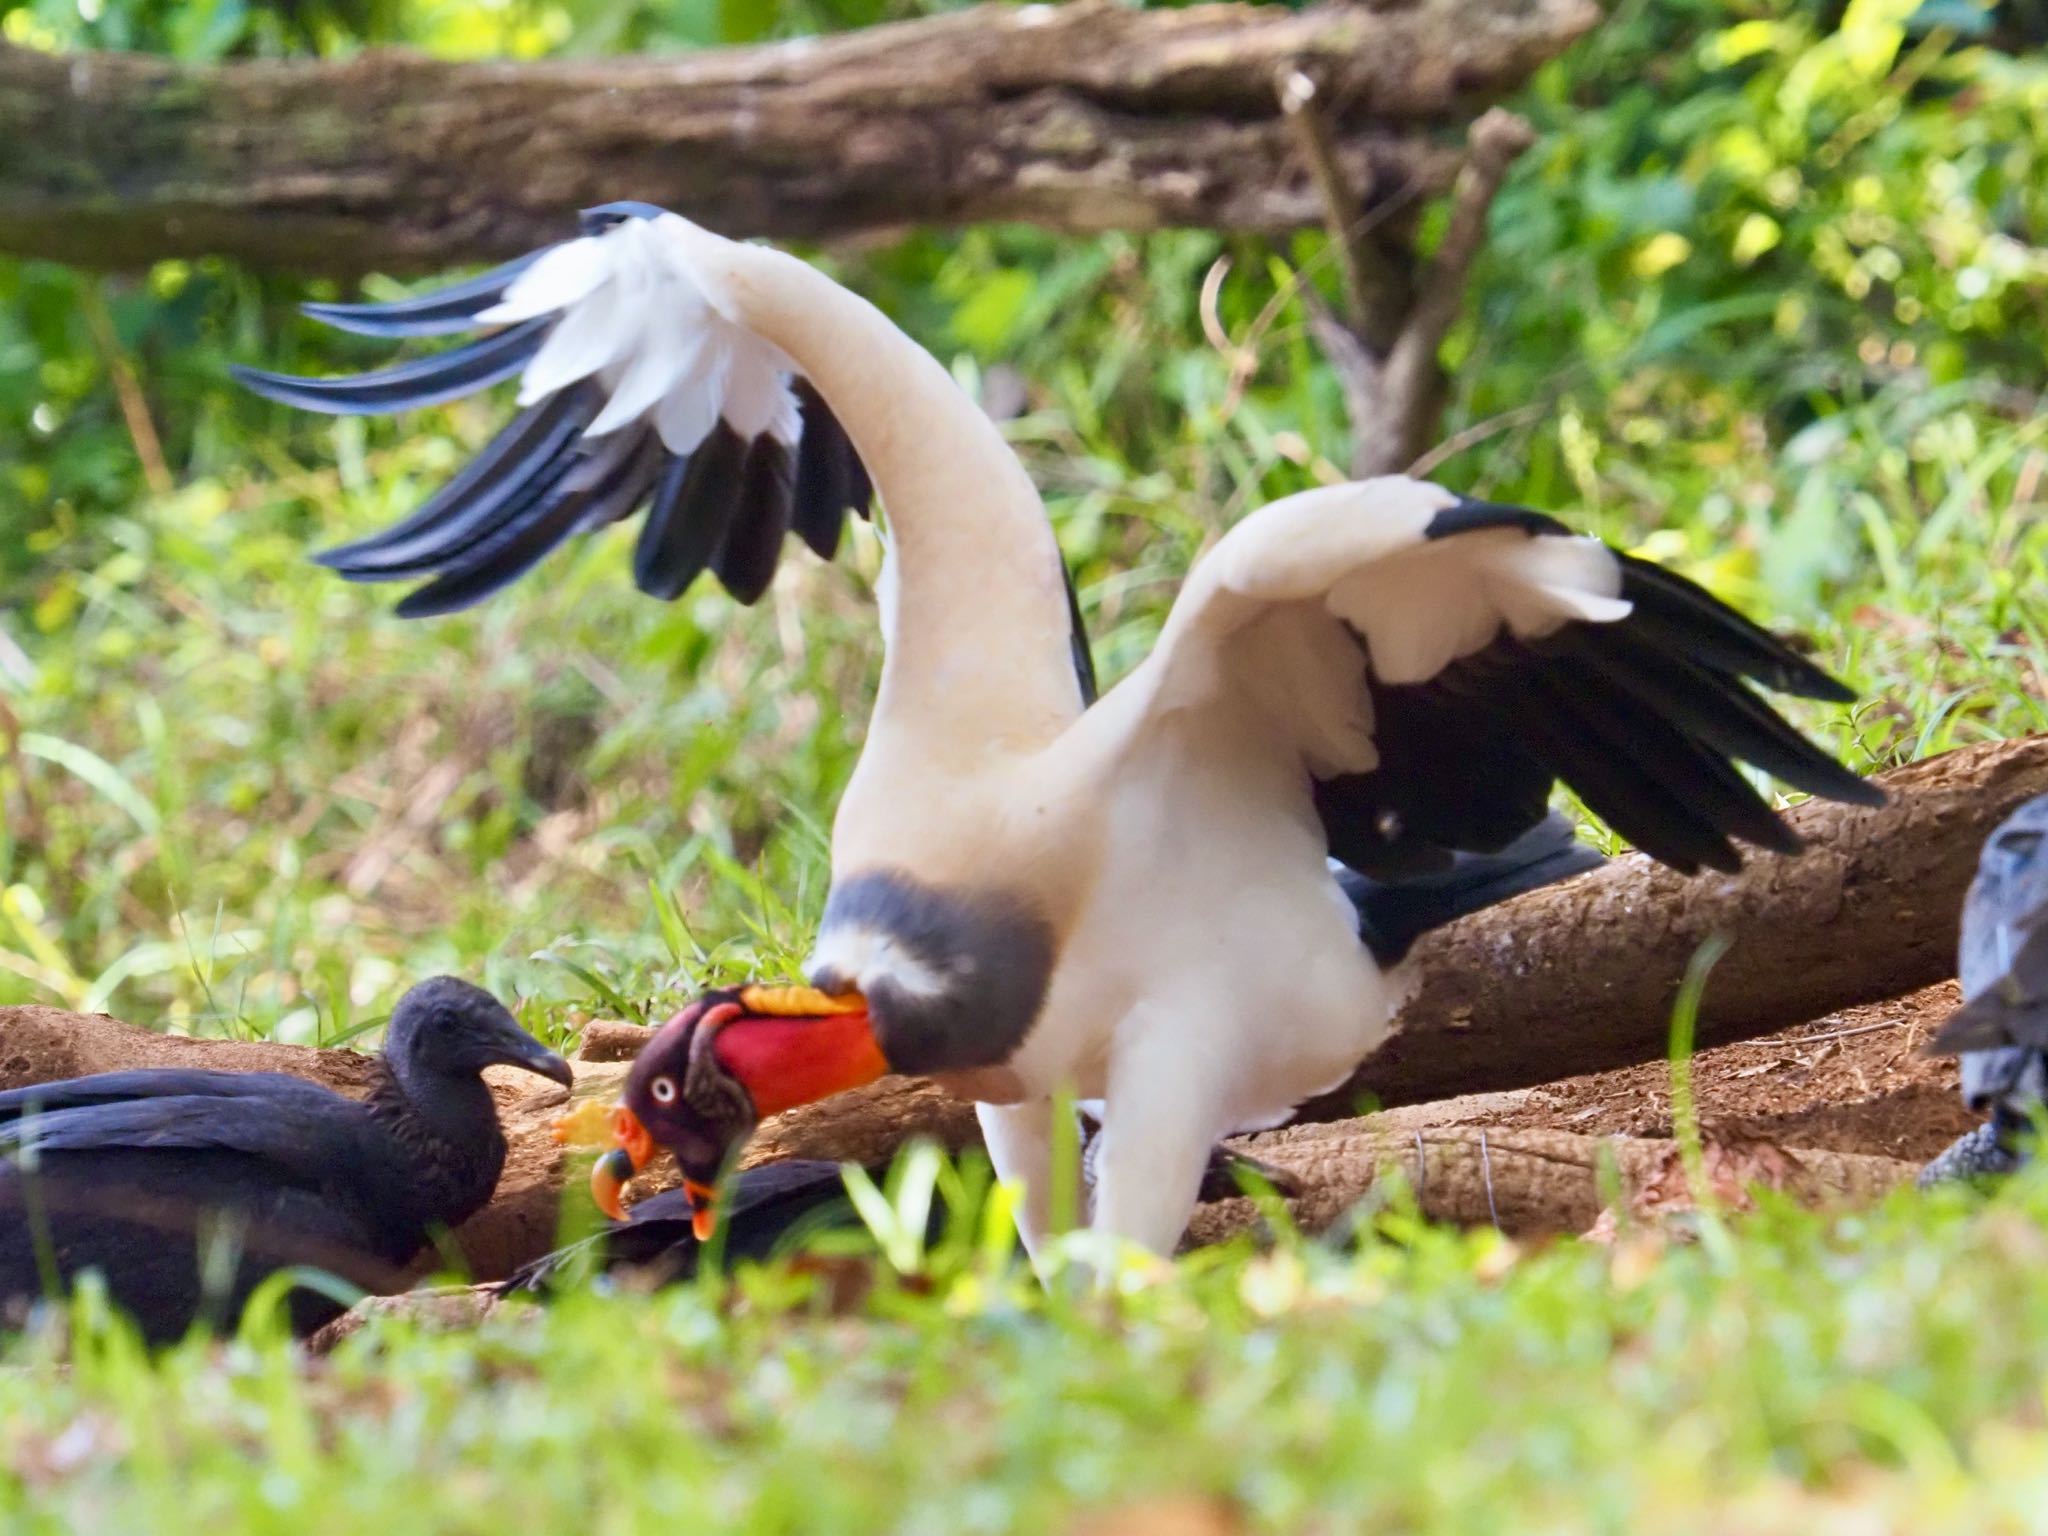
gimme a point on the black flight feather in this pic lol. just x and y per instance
(693, 512)
(408, 386)
(440, 313)
(746, 561)
(1645, 718)
(516, 467)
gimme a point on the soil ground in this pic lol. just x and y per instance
(1854, 1081)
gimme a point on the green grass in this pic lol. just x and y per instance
(1766, 303)
(1768, 1379)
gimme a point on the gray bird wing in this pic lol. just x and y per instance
(2001, 1031)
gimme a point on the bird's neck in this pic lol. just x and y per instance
(978, 642)
(448, 1127)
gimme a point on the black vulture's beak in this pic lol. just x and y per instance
(516, 1048)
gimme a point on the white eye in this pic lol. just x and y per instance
(663, 1089)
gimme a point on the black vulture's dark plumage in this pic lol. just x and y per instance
(769, 1211)
(186, 1188)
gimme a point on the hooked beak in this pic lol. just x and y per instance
(518, 1049)
(615, 1170)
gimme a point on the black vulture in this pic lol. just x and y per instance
(186, 1189)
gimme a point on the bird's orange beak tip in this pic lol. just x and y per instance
(703, 1209)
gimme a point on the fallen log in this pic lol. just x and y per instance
(44, 1045)
(1575, 979)
(1581, 977)
(1079, 117)
(1528, 1182)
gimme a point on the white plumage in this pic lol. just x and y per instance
(693, 368)
(1135, 903)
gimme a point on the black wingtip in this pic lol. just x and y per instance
(408, 386)
(441, 312)
(1832, 690)
(387, 320)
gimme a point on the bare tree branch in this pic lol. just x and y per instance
(1385, 350)
(1086, 116)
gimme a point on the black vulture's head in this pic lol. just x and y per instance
(447, 1028)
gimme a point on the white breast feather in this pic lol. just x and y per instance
(632, 314)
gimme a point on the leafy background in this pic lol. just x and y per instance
(1769, 300)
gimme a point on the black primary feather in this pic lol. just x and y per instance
(439, 313)
(409, 386)
(721, 507)
(745, 563)
(186, 1189)
(693, 513)
(541, 441)
(1645, 718)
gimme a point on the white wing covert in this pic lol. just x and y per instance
(634, 393)
(1439, 663)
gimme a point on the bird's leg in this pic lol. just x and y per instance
(1019, 1138)
(1159, 1128)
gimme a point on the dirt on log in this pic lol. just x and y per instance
(1080, 117)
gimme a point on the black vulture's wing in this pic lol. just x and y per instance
(144, 1083)
(315, 1143)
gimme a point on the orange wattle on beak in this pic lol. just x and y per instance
(703, 1209)
(612, 1172)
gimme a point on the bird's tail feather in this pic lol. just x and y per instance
(1393, 915)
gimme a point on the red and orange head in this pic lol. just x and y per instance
(715, 1070)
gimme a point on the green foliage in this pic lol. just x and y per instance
(1765, 301)
(1872, 1371)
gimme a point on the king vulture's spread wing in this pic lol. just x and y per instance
(634, 393)
(1437, 664)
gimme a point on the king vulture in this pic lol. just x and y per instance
(1136, 900)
